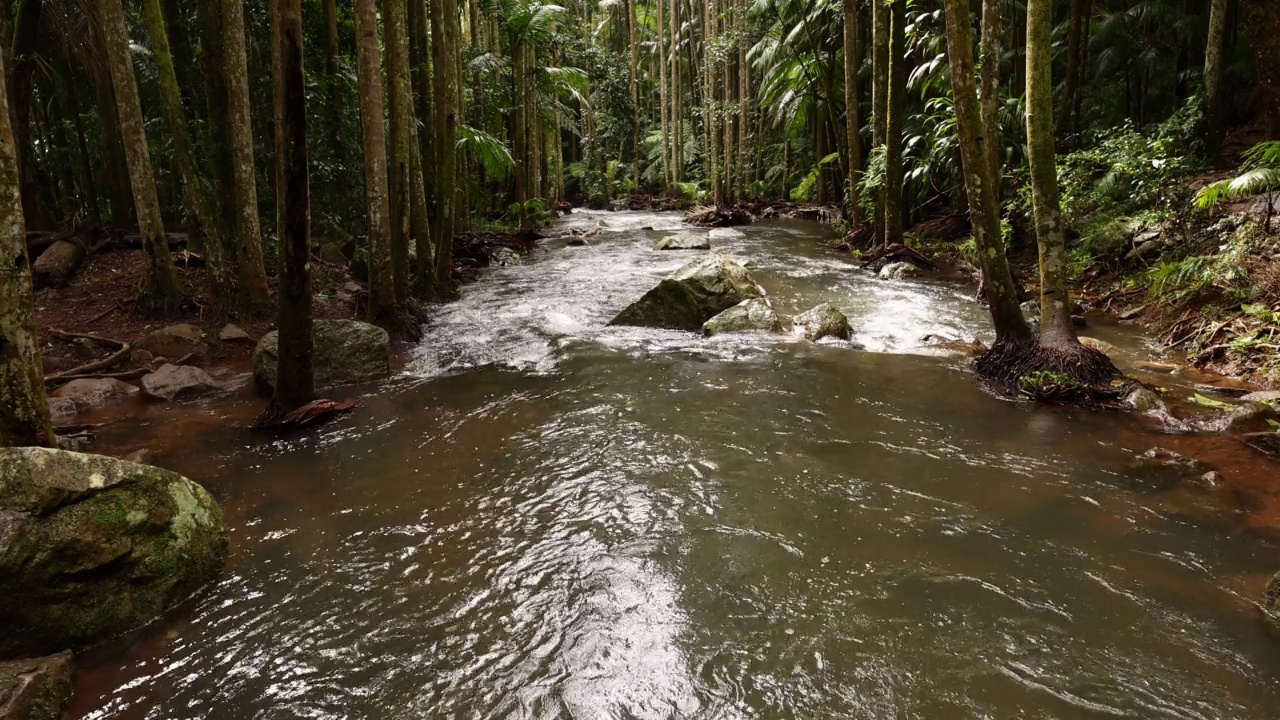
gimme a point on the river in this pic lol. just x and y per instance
(544, 517)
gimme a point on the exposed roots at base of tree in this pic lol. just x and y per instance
(1070, 374)
(154, 304)
(403, 322)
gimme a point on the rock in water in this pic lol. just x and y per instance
(172, 382)
(756, 314)
(92, 546)
(692, 295)
(346, 352)
(1271, 602)
(823, 321)
(899, 271)
(176, 341)
(504, 257)
(234, 334)
(684, 242)
(36, 688)
(87, 393)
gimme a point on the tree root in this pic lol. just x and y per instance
(1069, 374)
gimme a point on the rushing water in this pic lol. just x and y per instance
(549, 518)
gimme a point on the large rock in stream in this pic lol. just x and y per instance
(754, 315)
(92, 546)
(692, 295)
(36, 688)
(347, 352)
(823, 321)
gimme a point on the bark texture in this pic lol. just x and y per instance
(161, 291)
(1262, 18)
(1002, 296)
(852, 124)
(24, 407)
(199, 203)
(1213, 69)
(893, 211)
(444, 52)
(879, 91)
(400, 104)
(295, 375)
(382, 305)
(254, 294)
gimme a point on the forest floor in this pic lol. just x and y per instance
(99, 300)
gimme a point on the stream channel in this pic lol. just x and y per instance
(546, 517)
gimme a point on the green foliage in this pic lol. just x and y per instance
(486, 150)
(807, 188)
(1259, 173)
(1177, 281)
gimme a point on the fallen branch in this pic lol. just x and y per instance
(88, 368)
(127, 375)
(103, 314)
(64, 335)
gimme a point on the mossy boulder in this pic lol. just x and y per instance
(92, 546)
(692, 295)
(754, 315)
(823, 321)
(347, 352)
(36, 688)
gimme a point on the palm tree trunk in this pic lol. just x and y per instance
(632, 33)
(893, 210)
(677, 107)
(992, 32)
(1010, 326)
(853, 136)
(879, 94)
(444, 52)
(295, 375)
(400, 104)
(663, 96)
(382, 303)
(254, 294)
(1263, 20)
(161, 292)
(24, 407)
(199, 203)
(1075, 37)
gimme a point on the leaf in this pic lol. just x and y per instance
(1203, 401)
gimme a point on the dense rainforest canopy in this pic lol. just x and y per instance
(268, 130)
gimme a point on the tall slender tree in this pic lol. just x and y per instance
(1012, 330)
(853, 126)
(447, 109)
(400, 104)
(1213, 70)
(199, 203)
(295, 374)
(992, 56)
(1262, 18)
(24, 408)
(894, 220)
(254, 293)
(382, 301)
(879, 93)
(161, 291)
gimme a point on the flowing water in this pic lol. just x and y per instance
(548, 518)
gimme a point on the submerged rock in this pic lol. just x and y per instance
(1271, 603)
(172, 382)
(756, 314)
(1101, 346)
(92, 546)
(347, 352)
(87, 393)
(725, 234)
(899, 271)
(1270, 397)
(504, 257)
(577, 241)
(969, 348)
(823, 321)
(1267, 443)
(692, 295)
(36, 688)
(176, 341)
(683, 242)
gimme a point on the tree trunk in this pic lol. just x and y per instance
(400, 103)
(853, 136)
(254, 294)
(25, 35)
(24, 407)
(879, 93)
(893, 210)
(634, 47)
(1056, 329)
(1010, 326)
(677, 117)
(333, 69)
(444, 52)
(1262, 17)
(521, 136)
(1075, 37)
(295, 376)
(1213, 71)
(199, 204)
(382, 302)
(215, 78)
(992, 33)
(161, 292)
(662, 96)
(420, 58)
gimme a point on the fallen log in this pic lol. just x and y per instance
(60, 260)
(76, 372)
